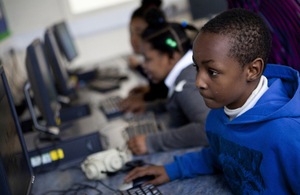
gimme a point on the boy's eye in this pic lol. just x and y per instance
(212, 72)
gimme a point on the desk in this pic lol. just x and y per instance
(64, 176)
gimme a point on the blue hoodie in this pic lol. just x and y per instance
(259, 151)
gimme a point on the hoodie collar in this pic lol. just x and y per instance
(184, 62)
(282, 99)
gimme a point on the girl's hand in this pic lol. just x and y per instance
(134, 105)
(137, 144)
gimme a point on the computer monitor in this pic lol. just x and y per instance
(65, 41)
(57, 64)
(207, 9)
(42, 85)
(16, 176)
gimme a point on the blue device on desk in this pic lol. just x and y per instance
(68, 50)
(65, 41)
(41, 83)
(16, 175)
(44, 92)
(58, 65)
(60, 74)
(102, 81)
(63, 145)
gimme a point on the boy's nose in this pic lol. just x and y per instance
(200, 81)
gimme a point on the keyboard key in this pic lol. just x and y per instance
(110, 107)
(148, 189)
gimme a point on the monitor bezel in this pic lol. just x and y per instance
(41, 94)
(18, 129)
(60, 41)
(55, 59)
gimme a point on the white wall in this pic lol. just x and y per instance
(99, 35)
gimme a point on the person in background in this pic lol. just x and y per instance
(254, 125)
(16, 76)
(168, 58)
(140, 94)
(283, 19)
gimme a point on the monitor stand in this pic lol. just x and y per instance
(47, 129)
(46, 152)
(74, 112)
(76, 140)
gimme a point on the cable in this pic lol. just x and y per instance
(107, 186)
(75, 188)
(72, 167)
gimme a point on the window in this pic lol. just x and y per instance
(82, 6)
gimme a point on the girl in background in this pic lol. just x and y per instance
(168, 57)
(141, 94)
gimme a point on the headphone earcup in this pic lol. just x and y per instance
(94, 170)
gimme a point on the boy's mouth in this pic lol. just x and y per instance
(205, 97)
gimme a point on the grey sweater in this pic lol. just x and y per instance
(188, 115)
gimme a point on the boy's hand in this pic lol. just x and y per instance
(137, 144)
(159, 172)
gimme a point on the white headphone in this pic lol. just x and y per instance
(97, 165)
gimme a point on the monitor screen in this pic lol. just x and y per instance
(57, 63)
(16, 176)
(65, 40)
(207, 9)
(41, 82)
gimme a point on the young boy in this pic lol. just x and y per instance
(254, 127)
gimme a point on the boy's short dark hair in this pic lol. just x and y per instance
(250, 36)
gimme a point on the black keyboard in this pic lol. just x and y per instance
(104, 85)
(148, 189)
(111, 73)
(110, 107)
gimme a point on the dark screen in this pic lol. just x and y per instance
(16, 165)
(46, 75)
(207, 8)
(57, 62)
(42, 82)
(65, 41)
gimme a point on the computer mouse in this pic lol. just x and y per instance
(135, 182)
(141, 180)
(125, 186)
(133, 164)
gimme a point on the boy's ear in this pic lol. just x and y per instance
(255, 69)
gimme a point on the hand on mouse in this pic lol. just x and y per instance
(137, 145)
(159, 172)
